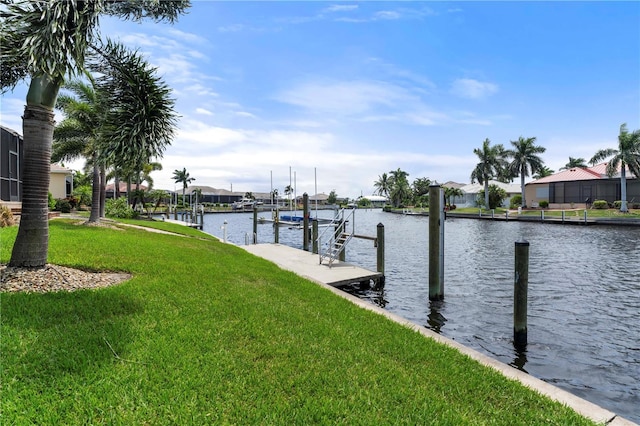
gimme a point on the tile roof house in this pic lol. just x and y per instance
(472, 190)
(110, 189)
(580, 186)
(209, 194)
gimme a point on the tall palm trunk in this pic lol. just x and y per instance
(623, 188)
(116, 187)
(486, 194)
(32, 242)
(95, 194)
(524, 201)
(103, 189)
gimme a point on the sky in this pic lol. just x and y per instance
(334, 94)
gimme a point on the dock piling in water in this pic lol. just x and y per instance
(314, 235)
(435, 224)
(520, 289)
(255, 224)
(380, 250)
(305, 222)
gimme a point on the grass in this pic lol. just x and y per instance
(206, 333)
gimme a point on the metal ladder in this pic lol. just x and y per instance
(337, 241)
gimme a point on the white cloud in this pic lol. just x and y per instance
(341, 8)
(387, 15)
(345, 97)
(245, 114)
(472, 89)
(231, 28)
(187, 37)
(203, 111)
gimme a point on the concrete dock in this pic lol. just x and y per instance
(307, 264)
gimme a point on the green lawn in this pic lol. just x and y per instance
(207, 334)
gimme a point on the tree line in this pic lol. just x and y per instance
(495, 162)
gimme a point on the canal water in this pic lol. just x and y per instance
(583, 301)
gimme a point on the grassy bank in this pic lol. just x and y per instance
(207, 334)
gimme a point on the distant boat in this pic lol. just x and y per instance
(243, 204)
(290, 218)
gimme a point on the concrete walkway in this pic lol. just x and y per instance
(307, 265)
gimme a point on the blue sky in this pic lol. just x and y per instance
(356, 89)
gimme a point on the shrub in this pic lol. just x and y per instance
(600, 204)
(73, 202)
(515, 202)
(6, 217)
(496, 196)
(51, 201)
(63, 205)
(617, 204)
(119, 208)
(83, 194)
(543, 204)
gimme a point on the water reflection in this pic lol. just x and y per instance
(374, 294)
(520, 359)
(436, 320)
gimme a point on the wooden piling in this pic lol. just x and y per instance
(435, 292)
(224, 231)
(314, 235)
(255, 224)
(305, 222)
(520, 289)
(380, 249)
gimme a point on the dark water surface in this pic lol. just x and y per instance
(583, 301)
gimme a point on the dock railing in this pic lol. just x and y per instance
(338, 237)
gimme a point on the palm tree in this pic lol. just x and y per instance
(182, 176)
(46, 41)
(400, 188)
(626, 156)
(574, 162)
(383, 185)
(451, 192)
(141, 120)
(145, 175)
(420, 187)
(78, 133)
(543, 172)
(525, 160)
(491, 166)
(288, 190)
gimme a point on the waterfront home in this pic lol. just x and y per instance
(11, 172)
(578, 187)
(471, 191)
